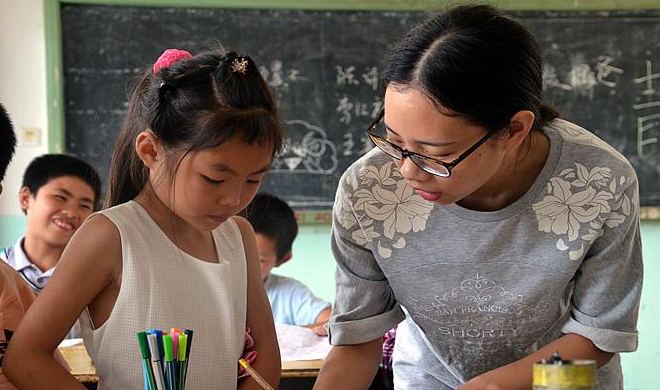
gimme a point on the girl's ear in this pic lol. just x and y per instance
(148, 148)
(520, 125)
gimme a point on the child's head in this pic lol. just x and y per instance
(275, 226)
(199, 134)
(57, 194)
(7, 143)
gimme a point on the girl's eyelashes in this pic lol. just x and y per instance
(257, 179)
(212, 181)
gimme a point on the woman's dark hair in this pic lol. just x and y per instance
(475, 63)
(194, 104)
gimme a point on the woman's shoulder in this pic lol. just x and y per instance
(587, 149)
(373, 168)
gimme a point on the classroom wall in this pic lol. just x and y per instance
(23, 92)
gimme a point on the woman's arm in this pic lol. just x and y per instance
(87, 267)
(350, 367)
(518, 375)
(259, 316)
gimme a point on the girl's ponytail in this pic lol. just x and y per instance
(128, 175)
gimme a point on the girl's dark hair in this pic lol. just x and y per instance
(196, 103)
(475, 63)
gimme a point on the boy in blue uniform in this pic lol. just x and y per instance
(57, 194)
(291, 301)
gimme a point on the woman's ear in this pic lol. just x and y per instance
(519, 127)
(148, 148)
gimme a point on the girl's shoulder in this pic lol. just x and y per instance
(239, 225)
(95, 248)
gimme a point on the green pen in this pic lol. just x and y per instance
(146, 359)
(183, 343)
(170, 376)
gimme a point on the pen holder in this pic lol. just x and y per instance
(558, 374)
(165, 358)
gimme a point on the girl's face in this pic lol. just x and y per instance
(214, 184)
(414, 123)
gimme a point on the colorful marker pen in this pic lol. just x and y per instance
(170, 374)
(156, 362)
(146, 355)
(183, 342)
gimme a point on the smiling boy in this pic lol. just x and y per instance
(57, 194)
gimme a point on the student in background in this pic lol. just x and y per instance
(493, 232)
(57, 194)
(199, 135)
(276, 228)
(15, 294)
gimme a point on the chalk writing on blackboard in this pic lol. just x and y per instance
(648, 113)
(581, 78)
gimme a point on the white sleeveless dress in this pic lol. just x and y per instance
(163, 287)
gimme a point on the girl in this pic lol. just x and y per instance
(197, 140)
(495, 231)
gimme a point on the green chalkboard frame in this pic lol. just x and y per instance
(53, 43)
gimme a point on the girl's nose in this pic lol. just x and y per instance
(230, 198)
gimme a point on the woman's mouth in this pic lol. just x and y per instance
(430, 196)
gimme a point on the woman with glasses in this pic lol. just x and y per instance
(494, 232)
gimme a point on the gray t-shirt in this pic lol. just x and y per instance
(479, 290)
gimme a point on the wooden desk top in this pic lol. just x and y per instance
(82, 368)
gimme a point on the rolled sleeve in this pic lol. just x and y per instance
(365, 306)
(605, 302)
(364, 330)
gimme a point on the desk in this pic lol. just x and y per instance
(297, 375)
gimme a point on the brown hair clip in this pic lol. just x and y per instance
(239, 65)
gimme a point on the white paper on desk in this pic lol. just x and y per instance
(70, 342)
(297, 343)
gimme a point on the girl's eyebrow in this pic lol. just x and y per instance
(226, 168)
(421, 142)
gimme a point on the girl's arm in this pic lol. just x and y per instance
(518, 375)
(350, 367)
(259, 316)
(90, 264)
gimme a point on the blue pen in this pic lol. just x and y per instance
(189, 344)
(170, 371)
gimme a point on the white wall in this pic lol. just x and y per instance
(22, 85)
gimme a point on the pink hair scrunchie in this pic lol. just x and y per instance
(169, 58)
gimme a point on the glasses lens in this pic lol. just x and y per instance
(385, 146)
(430, 166)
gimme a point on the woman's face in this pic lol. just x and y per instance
(414, 123)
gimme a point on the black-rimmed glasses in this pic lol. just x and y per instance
(427, 164)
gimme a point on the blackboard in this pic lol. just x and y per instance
(603, 72)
